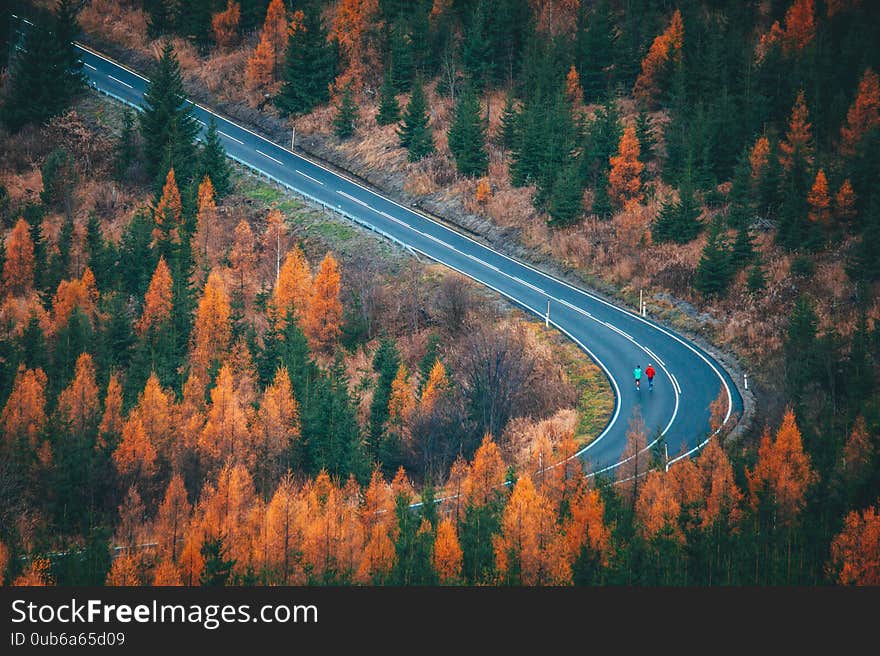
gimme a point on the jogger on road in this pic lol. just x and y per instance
(650, 373)
(637, 374)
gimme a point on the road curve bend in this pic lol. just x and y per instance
(688, 379)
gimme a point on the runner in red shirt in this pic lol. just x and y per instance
(650, 373)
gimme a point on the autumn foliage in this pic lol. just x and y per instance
(799, 138)
(323, 320)
(225, 25)
(157, 301)
(624, 180)
(855, 552)
(665, 48)
(783, 473)
(18, 267)
(819, 200)
(863, 115)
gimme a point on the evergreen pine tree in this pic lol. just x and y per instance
(385, 363)
(59, 262)
(507, 132)
(401, 66)
(714, 270)
(475, 51)
(756, 280)
(346, 114)
(195, 23)
(389, 109)
(214, 163)
(741, 206)
(217, 570)
(309, 66)
(159, 18)
(595, 49)
(864, 265)
(602, 206)
(678, 221)
(565, 201)
(415, 133)
(47, 75)
(645, 135)
(467, 136)
(167, 123)
(743, 251)
(125, 152)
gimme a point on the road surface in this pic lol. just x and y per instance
(688, 379)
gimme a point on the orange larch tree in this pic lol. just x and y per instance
(585, 526)
(665, 48)
(282, 533)
(635, 460)
(819, 200)
(166, 574)
(855, 552)
(722, 497)
(207, 242)
(4, 560)
(157, 301)
(799, 138)
(242, 259)
(800, 26)
(171, 520)
(78, 403)
(378, 557)
(323, 321)
(434, 387)
(211, 331)
(858, 452)
(658, 509)
(351, 28)
(231, 510)
(278, 425)
(293, 290)
(275, 240)
(402, 401)
(24, 415)
(783, 471)
(76, 293)
(18, 268)
(573, 89)
(378, 503)
(447, 553)
(863, 114)
(759, 156)
(624, 179)
(111, 424)
(485, 475)
(156, 410)
(275, 30)
(125, 571)
(225, 24)
(530, 543)
(845, 202)
(258, 72)
(131, 529)
(168, 214)
(484, 191)
(226, 436)
(135, 457)
(37, 574)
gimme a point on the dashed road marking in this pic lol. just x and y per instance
(277, 161)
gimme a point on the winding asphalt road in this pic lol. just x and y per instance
(687, 381)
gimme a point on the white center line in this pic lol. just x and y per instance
(229, 136)
(356, 200)
(125, 84)
(395, 219)
(89, 66)
(306, 175)
(270, 157)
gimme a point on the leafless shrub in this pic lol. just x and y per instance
(453, 303)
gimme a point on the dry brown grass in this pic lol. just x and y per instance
(119, 21)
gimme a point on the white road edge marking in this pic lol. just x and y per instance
(277, 161)
(89, 66)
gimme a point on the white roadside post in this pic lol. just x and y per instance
(547, 317)
(746, 381)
